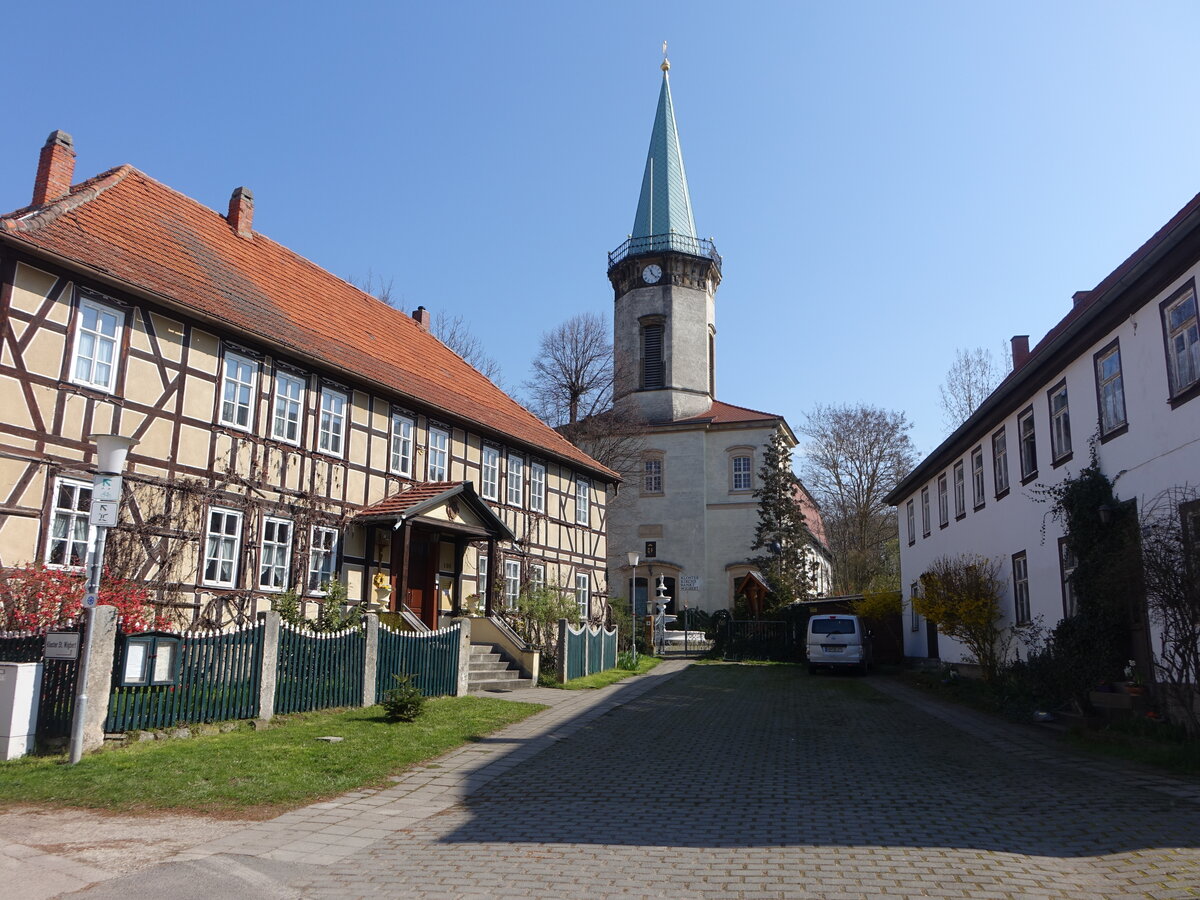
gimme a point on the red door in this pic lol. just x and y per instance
(422, 581)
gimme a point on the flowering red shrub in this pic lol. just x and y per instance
(35, 598)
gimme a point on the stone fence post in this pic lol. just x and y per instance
(270, 664)
(103, 623)
(562, 651)
(464, 658)
(370, 659)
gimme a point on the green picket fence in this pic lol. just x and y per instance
(608, 654)
(218, 681)
(576, 652)
(590, 650)
(319, 671)
(431, 658)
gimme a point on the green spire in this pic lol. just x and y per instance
(664, 207)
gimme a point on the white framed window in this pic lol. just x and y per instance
(913, 594)
(516, 479)
(925, 528)
(1066, 568)
(1110, 389)
(97, 349)
(1020, 568)
(481, 575)
(1060, 422)
(288, 407)
(1000, 462)
(331, 435)
(275, 565)
(1183, 340)
(582, 502)
(69, 528)
(943, 501)
(489, 474)
(537, 487)
(910, 512)
(223, 541)
(512, 582)
(960, 490)
(977, 483)
(402, 445)
(537, 576)
(438, 456)
(652, 480)
(322, 559)
(583, 595)
(1027, 444)
(238, 377)
(741, 480)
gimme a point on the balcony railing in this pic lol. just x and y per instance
(663, 243)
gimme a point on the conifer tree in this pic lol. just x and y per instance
(781, 529)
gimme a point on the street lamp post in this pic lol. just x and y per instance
(632, 557)
(111, 452)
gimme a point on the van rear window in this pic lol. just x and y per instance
(833, 626)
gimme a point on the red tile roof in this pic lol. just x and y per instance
(410, 494)
(726, 414)
(138, 231)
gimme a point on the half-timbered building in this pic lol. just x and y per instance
(291, 429)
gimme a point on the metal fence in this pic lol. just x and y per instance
(218, 680)
(431, 658)
(759, 640)
(319, 671)
(589, 650)
(56, 702)
(21, 646)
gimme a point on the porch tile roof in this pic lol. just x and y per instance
(409, 496)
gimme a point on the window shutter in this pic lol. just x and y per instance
(652, 357)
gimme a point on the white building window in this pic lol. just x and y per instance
(490, 474)
(438, 457)
(222, 543)
(331, 437)
(583, 595)
(402, 445)
(913, 593)
(512, 582)
(960, 490)
(741, 480)
(925, 528)
(582, 502)
(977, 483)
(652, 482)
(1066, 566)
(1020, 568)
(481, 575)
(69, 529)
(516, 479)
(1027, 444)
(911, 517)
(943, 501)
(274, 570)
(537, 576)
(1000, 462)
(237, 391)
(1183, 341)
(97, 345)
(1110, 389)
(537, 487)
(322, 559)
(289, 403)
(1060, 423)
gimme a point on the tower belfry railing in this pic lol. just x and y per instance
(662, 243)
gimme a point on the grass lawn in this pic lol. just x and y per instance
(609, 676)
(251, 773)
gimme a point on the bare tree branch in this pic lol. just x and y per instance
(454, 333)
(572, 375)
(972, 377)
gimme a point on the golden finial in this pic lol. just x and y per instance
(666, 64)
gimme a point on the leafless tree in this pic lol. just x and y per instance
(454, 333)
(375, 285)
(855, 455)
(572, 374)
(973, 375)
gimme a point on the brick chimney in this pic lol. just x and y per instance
(56, 167)
(241, 212)
(1079, 298)
(1020, 350)
(421, 314)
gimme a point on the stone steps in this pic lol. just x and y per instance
(490, 669)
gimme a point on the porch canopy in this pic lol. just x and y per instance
(755, 589)
(432, 523)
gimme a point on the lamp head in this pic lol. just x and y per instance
(111, 452)
(632, 557)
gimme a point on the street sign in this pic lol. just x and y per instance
(89, 600)
(690, 582)
(104, 513)
(62, 644)
(106, 488)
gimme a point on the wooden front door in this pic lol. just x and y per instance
(422, 576)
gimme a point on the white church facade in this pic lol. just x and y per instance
(688, 510)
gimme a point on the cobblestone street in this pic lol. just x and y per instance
(755, 781)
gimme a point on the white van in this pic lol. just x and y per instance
(838, 640)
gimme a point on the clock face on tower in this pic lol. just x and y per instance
(651, 274)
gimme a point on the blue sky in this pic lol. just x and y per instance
(886, 182)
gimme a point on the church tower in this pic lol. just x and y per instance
(665, 279)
